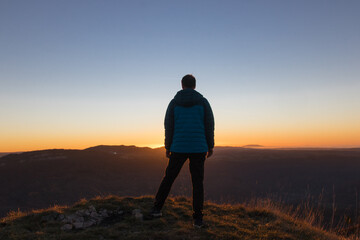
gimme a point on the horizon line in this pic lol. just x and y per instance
(249, 146)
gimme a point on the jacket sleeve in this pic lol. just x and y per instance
(169, 125)
(209, 124)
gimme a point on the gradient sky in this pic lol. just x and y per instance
(75, 74)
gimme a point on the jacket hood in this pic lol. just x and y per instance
(187, 97)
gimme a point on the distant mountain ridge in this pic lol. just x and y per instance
(7, 153)
(253, 146)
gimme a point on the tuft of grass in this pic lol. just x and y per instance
(225, 221)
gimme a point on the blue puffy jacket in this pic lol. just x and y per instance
(189, 123)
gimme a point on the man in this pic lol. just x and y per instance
(189, 134)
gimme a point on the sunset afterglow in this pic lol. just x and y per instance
(75, 74)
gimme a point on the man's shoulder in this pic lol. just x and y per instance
(172, 103)
(205, 101)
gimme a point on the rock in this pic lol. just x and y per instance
(85, 218)
(92, 208)
(94, 215)
(79, 219)
(137, 214)
(118, 211)
(78, 225)
(89, 223)
(61, 217)
(81, 212)
(71, 218)
(67, 227)
(65, 220)
(104, 213)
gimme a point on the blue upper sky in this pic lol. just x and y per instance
(263, 65)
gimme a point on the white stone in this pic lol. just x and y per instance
(80, 212)
(67, 227)
(104, 213)
(137, 214)
(71, 218)
(80, 219)
(92, 208)
(65, 220)
(94, 215)
(89, 223)
(78, 225)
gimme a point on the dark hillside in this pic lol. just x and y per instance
(314, 178)
(120, 222)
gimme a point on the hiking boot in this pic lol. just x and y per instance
(198, 223)
(155, 213)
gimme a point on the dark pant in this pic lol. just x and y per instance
(175, 164)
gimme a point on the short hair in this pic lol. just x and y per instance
(188, 81)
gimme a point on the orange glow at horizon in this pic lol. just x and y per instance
(81, 141)
(277, 132)
(269, 138)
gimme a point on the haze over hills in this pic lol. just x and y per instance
(319, 178)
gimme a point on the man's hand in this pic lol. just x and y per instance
(168, 153)
(210, 153)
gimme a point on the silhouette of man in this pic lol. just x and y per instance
(189, 134)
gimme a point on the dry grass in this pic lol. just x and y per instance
(263, 220)
(310, 215)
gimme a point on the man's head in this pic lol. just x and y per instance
(188, 81)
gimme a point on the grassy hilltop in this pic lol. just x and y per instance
(224, 222)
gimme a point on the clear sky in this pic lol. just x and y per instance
(79, 73)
